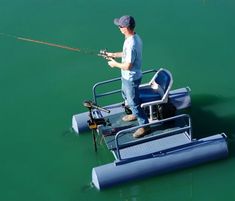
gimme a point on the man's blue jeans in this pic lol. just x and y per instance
(130, 93)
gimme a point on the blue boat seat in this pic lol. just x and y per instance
(157, 90)
(149, 94)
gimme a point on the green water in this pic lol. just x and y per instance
(42, 87)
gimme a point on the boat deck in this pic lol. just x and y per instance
(164, 135)
(154, 146)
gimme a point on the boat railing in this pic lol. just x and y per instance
(186, 129)
(97, 95)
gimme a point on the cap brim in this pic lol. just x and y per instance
(116, 21)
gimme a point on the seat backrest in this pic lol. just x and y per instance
(164, 79)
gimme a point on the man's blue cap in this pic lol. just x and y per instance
(125, 21)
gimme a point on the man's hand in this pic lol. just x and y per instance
(110, 54)
(112, 63)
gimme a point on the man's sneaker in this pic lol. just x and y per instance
(140, 132)
(129, 117)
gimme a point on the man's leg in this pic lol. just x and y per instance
(131, 89)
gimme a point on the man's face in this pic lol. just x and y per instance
(123, 29)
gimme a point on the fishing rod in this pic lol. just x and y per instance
(102, 53)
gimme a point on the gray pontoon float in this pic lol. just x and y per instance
(169, 146)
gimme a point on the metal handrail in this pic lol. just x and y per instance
(98, 84)
(146, 139)
(168, 150)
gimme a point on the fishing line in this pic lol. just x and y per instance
(50, 44)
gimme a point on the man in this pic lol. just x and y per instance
(131, 71)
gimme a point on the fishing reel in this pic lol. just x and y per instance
(103, 53)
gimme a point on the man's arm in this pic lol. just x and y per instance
(114, 54)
